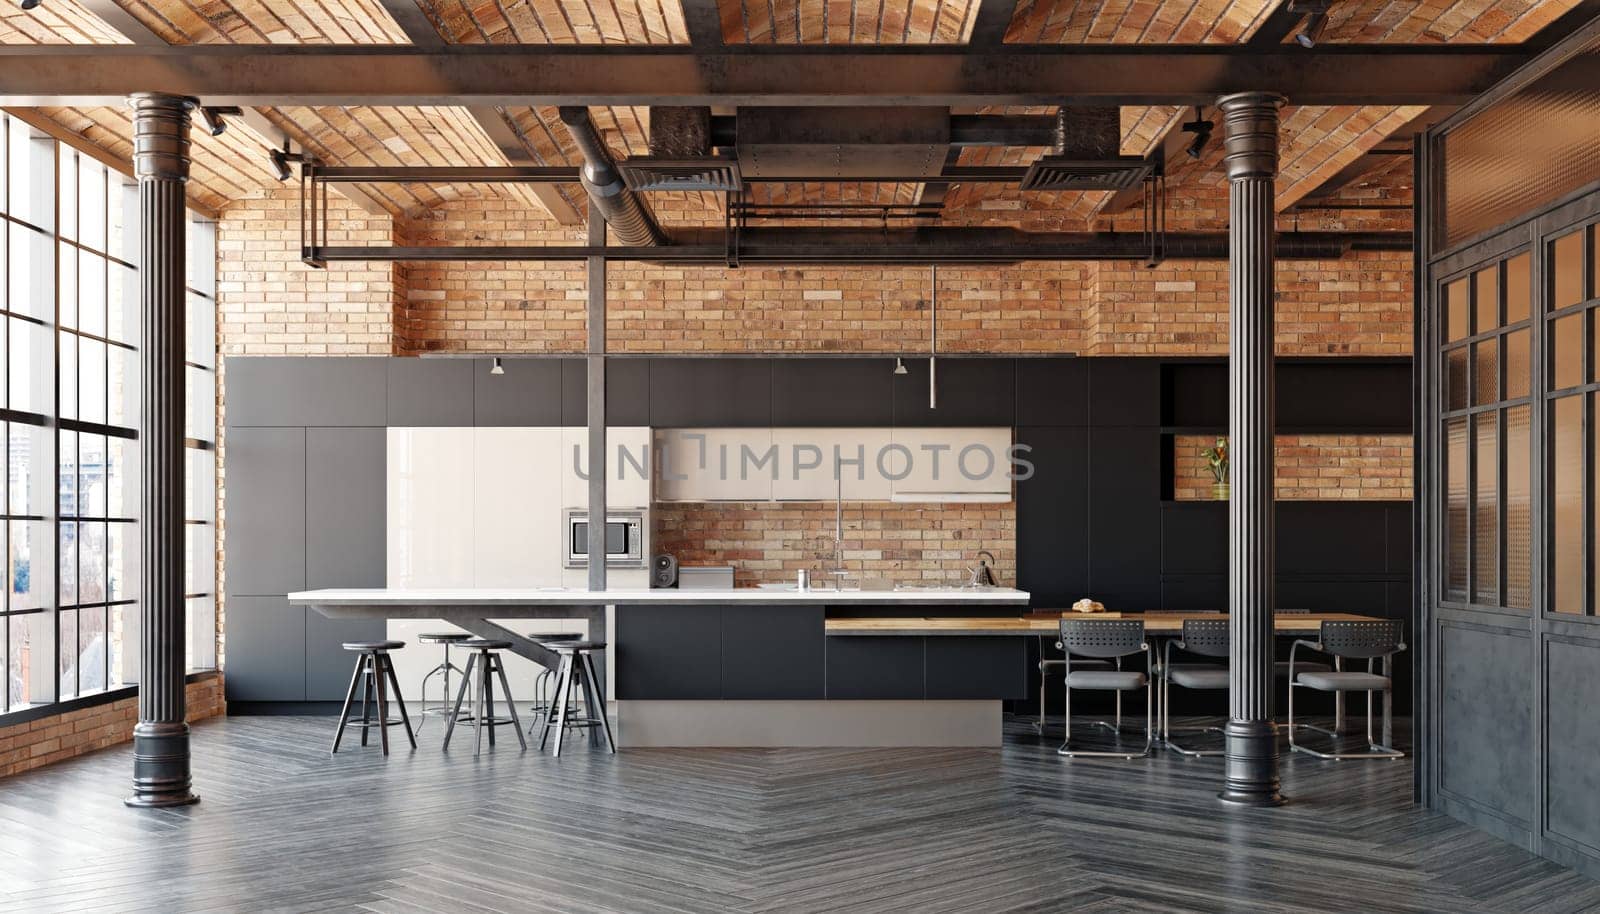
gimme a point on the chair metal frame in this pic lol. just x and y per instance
(485, 662)
(1203, 637)
(1371, 641)
(1134, 631)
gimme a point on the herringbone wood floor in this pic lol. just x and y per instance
(283, 826)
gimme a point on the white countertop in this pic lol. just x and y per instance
(557, 596)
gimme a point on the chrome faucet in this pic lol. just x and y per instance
(983, 574)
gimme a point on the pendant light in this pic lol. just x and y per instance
(933, 335)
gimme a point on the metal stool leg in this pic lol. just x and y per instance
(344, 715)
(511, 704)
(366, 696)
(563, 697)
(383, 701)
(455, 713)
(599, 691)
(394, 683)
(477, 703)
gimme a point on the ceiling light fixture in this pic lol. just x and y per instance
(899, 365)
(31, 4)
(214, 118)
(496, 367)
(1201, 128)
(1311, 33)
(281, 159)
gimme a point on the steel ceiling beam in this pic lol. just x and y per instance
(935, 75)
(1170, 149)
(704, 22)
(991, 22)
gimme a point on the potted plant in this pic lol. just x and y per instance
(1217, 458)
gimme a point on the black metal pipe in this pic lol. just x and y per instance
(627, 215)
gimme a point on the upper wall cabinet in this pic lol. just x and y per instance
(711, 393)
(949, 464)
(715, 464)
(808, 455)
(430, 392)
(527, 393)
(971, 392)
(1124, 392)
(627, 467)
(272, 391)
(1053, 391)
(843, 392)
(627, 392)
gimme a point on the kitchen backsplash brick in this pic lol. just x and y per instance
(769, 542)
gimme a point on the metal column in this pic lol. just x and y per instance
(161, 737)
(595, 401)
(1250, 767)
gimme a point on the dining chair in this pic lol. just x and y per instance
(1098, 640)
(1372, 641)
(1202, 638)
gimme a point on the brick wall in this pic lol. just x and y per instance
(1359, 305)
(769, 542)
(1311, 468)
(62, 736)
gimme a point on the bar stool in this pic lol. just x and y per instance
(577, 668)
(375, 671)
(541, 685)
(485, 662)
(443, 669)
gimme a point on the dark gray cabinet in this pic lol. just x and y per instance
(1052, 391)
(669, 652)
(1052, 516)
(627, 392)
(346, 507)
(1124, 391)
(875, 667)
(972, 392)
(772, 652)
(819, 392)
(266, 650)
(306, 391)
(266, 473)
(974, 668)
(528, 393)
(726, 393)
(431, 392)
(1125, 517)
(328, 665)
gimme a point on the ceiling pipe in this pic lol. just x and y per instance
(627, 215)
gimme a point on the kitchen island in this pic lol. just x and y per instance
(755, 667)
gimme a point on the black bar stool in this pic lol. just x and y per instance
(483, 666)
(375, 671)
(577, 668)
(444, 669)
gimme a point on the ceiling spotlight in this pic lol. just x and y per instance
(1201, 128)
(1311, 32)
(495, 367)
(214, 118)
(899, 365)
(31, 4)
(281, 159)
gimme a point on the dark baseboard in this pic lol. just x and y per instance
(285, 708)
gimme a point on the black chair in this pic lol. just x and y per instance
(1369, 641)
(375, 671)
(444, 669)
(1203, 638)
(577, 671)
(1106, 639)
(483, 666)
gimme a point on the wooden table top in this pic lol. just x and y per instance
(1039, 623)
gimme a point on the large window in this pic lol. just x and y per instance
(71, 419)
(1572, 385)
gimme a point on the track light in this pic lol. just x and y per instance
(281, 159)
(1311, 32)
(1201, 128)
(214, 118)
(495, 367)
(31, 4)
(899, 365)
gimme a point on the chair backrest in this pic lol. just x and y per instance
(1377, 638)
(1294, 612)
(1206, 637)
(1102, 637)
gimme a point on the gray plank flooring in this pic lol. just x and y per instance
(283, 826)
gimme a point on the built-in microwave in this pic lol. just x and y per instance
(625, 538)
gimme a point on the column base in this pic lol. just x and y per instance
(161, 766)
(1250, 764)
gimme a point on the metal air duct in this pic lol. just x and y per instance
(627, 215)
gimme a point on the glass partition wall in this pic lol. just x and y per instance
(70, 412)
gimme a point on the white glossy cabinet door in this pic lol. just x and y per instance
(430, 501)
(938, 464)
(516, 531)
(798, 448)
(627, 445)
(727, 464)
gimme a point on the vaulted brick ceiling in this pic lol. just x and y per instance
(1318, 143)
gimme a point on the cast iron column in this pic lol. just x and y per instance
(1250, 770)
(161, 162)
